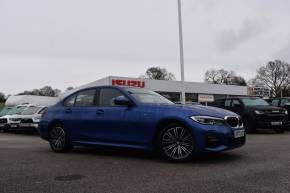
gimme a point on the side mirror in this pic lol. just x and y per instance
(122, 101)
(287, 104)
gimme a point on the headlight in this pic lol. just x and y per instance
(259, 112)
(37, 119)
(206, 120)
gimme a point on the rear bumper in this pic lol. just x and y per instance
(43, 129)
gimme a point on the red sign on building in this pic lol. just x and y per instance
(133, 83)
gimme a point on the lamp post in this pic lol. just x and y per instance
(181, 52)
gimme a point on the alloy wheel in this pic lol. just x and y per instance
(58, 138)
(177, 143)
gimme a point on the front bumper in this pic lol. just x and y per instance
(29, 125)
(268, 121)
(211, 138)
(13, 125)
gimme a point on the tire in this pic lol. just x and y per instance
(5, 129)
(248, 125)
(176, 143)
(279, 130)
(59, 139)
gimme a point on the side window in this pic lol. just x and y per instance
(107, 96)
(227, 103)
(70, 101)
(236, 102)
(283, 102)
(275, 102)
(85, 98)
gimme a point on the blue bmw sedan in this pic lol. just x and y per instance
(130, 117)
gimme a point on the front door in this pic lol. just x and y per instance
(117, 124)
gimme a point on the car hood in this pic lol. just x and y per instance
(263, 108)
(194, 110)
(6, 116)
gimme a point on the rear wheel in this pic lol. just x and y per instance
(175, 143)
(58, 139)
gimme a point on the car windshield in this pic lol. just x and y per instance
(5, 111)
(148, 97)
(16, 110)
(31, 110)
(254, 102)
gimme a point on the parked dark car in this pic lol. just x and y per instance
(141, 119)
(282, 103)
(256, 113)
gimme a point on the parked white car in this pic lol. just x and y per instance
(30, 117)
(10, 120)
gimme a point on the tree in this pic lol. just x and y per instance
(69, 88)
(275, 76)
(224, 77)
(2, 97)
(158, 73)
(238, 80)
(44, 91)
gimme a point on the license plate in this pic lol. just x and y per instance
(13, 126)
(239, 133)
(276, 123)
(26, 124)
(2, 125)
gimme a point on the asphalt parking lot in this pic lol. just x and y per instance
(28, 165)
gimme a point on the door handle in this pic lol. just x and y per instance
(100, 112)
(68, 111)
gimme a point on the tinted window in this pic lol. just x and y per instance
(283, 102)
(254, 102)
(85, 98)
(70, 101)
(235, 102)
(227, 103)
(275, 102)
(107, 96)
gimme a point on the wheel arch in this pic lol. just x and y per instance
(52, 123)
(164, 122)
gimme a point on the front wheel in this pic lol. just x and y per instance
(175, 143)
(58, 139)
(5, 129)
(279, 130)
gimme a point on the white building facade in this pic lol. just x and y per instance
(195, 92)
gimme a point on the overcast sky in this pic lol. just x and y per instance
(66, 43)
